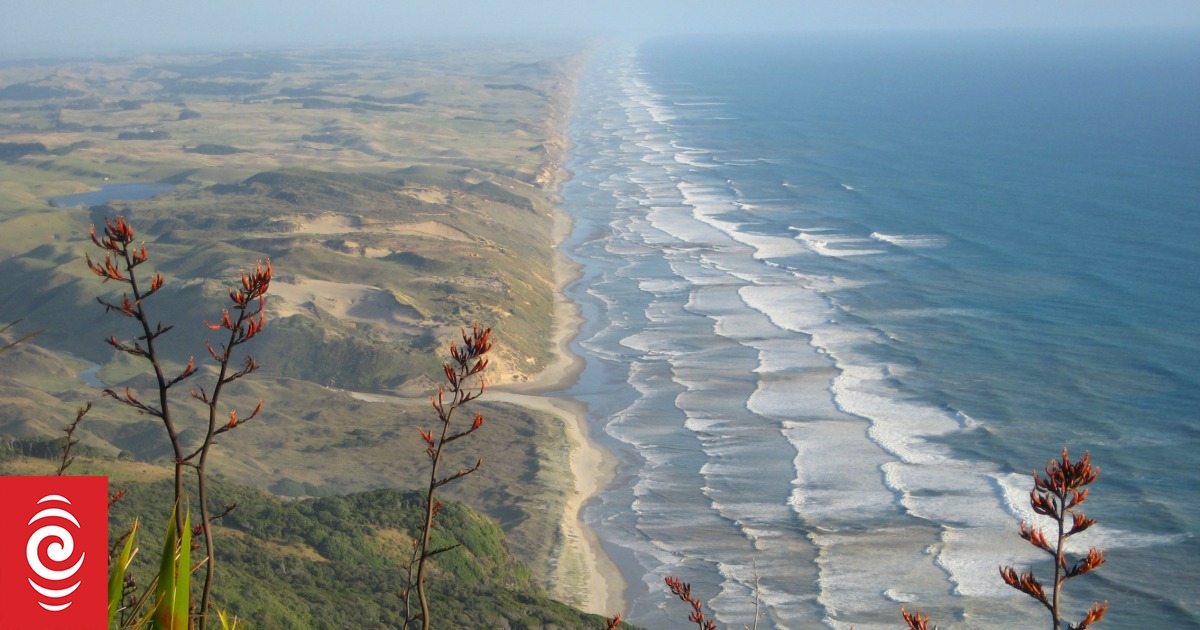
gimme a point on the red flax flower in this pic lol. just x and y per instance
(117, 234)
(254, 285)
(1094, 614)
(1094, 558)
(1025, 583)
(1035, 537)
(248, 303)
(915, 620)
(120, 260)
(1057, 495)
(683, 591)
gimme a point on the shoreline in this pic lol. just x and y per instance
(584, 574)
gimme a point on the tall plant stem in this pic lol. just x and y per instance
(202, 473)
(467, 363)
(164, 400)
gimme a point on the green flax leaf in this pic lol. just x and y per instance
(116, 582)
(173, 582)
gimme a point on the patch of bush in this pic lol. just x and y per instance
(30, 92)
(213, 149)
(10, 151)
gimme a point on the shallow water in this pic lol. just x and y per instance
(113, 192)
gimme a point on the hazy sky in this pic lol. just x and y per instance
(41, 27)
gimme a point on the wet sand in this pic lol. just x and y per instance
(584, 573)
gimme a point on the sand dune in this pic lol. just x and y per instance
(431, 228)
(350, 302)
(337, 223)
(328, 223)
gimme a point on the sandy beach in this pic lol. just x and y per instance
(584, 574)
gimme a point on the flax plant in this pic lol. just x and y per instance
(1058, 495)
(10, 345)
(683, 591)
(121, 263)
(464, 383)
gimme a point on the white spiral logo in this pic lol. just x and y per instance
(59, 550)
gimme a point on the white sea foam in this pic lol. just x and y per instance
(698, 159)
(898, 426)
(915, 240)
(924, 479)
(765, 246)
(789, 307)
(678, 223)
(834, 245)
(860, 566)
(660, 286)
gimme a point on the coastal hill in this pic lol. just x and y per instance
(399, 194)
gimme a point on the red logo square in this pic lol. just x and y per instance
(53, 553)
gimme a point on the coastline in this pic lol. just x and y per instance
(584, 574)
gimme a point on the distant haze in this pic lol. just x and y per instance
(73, 27)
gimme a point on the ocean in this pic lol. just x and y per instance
(844, 293)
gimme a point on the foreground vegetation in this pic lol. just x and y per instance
(334, 562)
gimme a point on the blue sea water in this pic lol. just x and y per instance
(844, 293)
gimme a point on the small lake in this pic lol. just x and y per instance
(123, 192)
